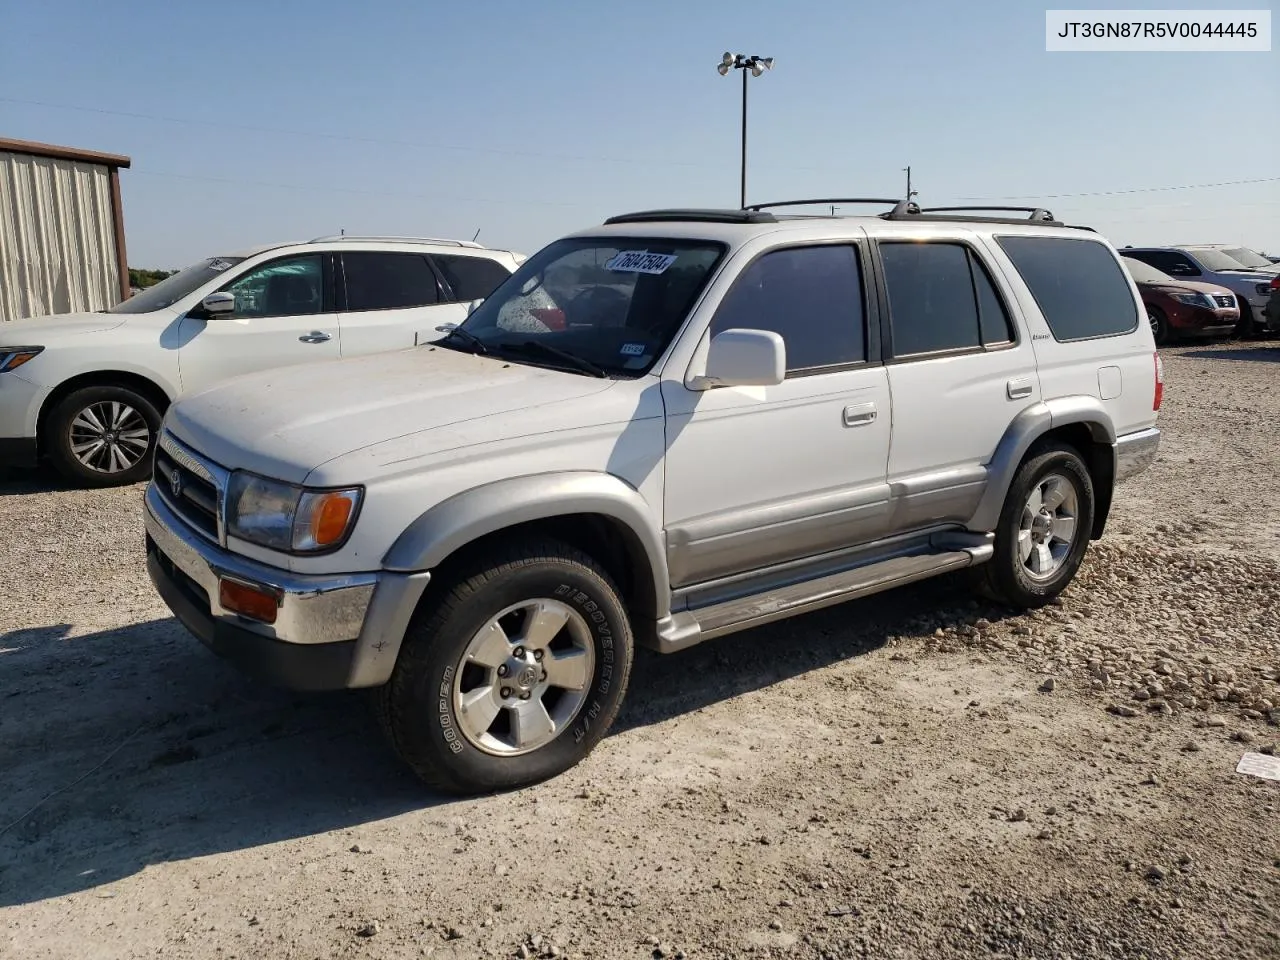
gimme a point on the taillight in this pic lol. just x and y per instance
(1159, 382)
(1275, 282)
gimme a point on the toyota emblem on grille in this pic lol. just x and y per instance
(175, 483)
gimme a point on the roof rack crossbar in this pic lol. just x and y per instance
(388, 239)
(827, 200)
(747, 215)
(1034, 213)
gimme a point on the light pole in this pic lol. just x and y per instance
(757, 66)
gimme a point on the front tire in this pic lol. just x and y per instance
(1246, 328)
(511, 674)
(1044, 529)
(1159, 325)
(103, 436)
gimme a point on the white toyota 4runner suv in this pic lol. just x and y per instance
(87, 391)
(731, 417)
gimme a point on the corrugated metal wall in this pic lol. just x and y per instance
(57, 238)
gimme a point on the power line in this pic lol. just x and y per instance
(1117, 193)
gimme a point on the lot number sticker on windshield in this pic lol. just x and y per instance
(640, 261)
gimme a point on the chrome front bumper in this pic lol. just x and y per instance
(330, 632)
(312, 609)
(1135, 452)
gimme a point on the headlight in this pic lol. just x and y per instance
(11, 358)
(289, 518)
(1195, 299)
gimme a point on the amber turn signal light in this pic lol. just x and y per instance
(324, 518)
(256, 603)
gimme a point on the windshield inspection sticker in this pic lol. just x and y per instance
(218, 265)
(640, 261)
(632, 349)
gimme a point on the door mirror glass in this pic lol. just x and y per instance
(743, 358)
(219, 304)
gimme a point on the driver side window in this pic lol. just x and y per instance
(289, 287)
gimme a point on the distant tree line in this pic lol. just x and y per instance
(141, 279)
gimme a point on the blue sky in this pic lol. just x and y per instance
(527, 120)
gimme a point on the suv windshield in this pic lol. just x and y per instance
(1248, 257)
(1145, 273)
(172, 289)
(1214, 259)
(614, 303)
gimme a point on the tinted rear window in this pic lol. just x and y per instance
(388, 281)
(1080, 288)
(472, 278)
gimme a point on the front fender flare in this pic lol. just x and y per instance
(467, 516)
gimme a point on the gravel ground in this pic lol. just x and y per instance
(913, 775)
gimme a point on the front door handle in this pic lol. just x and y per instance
(859, 414)
(315, 336)
(1019, 387)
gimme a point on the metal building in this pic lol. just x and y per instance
(61, 230)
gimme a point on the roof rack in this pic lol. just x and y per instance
(748, 215)
(439, 240)
(1035, 215)
(897, 204)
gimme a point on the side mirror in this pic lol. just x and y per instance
(743, 358)
(219, 304)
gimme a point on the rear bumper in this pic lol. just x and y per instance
(1135, 452)
(330, 632)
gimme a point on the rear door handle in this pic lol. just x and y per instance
(315, 336)
(859, 414)
(1019, 387)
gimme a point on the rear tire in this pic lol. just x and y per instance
(1044, 529)
(102, 436)
(512, 673)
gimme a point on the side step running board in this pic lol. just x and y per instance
(688, 627)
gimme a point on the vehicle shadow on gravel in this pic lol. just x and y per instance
(20, 482)
(139, 747)
(1255, 355)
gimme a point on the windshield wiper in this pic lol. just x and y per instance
(476, 344)
(572, 359)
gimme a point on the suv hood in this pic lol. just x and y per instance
(285, 423)
(1183, 286)
(42, 331)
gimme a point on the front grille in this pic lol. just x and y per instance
(196, 499)
(1224, 300)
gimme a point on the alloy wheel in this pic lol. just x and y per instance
(1048, 528)
(523, 677)
(109, 436)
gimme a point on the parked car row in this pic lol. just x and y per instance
(1190, 289)
(87, 391)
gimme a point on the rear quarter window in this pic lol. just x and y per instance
(1079, 286)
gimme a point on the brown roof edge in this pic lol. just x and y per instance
(113, 160)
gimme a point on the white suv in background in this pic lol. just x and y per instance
(87, 391)
(731, 417)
